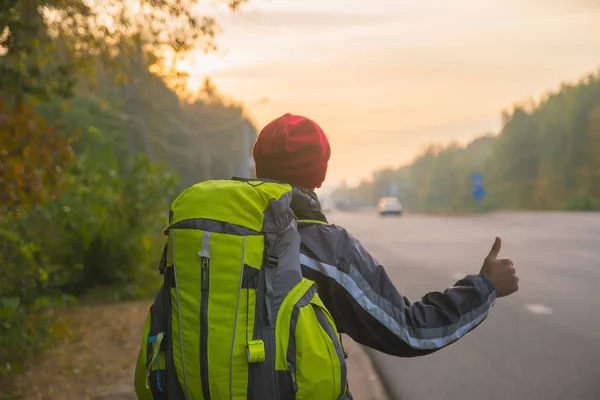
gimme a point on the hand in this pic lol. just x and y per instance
(500, 271)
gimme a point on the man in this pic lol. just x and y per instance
(353, 285)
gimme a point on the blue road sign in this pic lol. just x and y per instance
(477, 179)
(478, 192)
(477, 184)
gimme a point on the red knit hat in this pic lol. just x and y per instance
(292, 149)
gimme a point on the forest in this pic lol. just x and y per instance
(546, 157)
(97, 136)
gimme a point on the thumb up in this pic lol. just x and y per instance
(500, 271)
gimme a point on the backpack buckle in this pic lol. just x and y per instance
(272, 261)
(255, 349)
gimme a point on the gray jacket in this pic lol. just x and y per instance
(364, 302)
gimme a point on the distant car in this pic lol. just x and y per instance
(389, 205)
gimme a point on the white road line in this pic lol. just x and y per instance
(539, 309)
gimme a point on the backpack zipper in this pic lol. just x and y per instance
(205, 271)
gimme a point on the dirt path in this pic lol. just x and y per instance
(96, 360)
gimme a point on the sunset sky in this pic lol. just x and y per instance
(384, 78)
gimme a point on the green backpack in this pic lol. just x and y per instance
(234, 318)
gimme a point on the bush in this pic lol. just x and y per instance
(100, 232)
(24, 330)
(102, 229)
(26, 316)
(582, 202)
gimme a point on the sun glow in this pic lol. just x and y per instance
(386, 78)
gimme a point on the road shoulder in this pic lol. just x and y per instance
(364, 381)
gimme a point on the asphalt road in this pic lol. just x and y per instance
(540, 343)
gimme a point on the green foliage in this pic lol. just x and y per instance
(32, 158)
(582, 202)
(45, 46)
(24, 330)
(94, 143)
(27, 303)
(101, 228)
(546, 157)
(200, 137)
(99, 232)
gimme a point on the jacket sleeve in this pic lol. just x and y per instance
(367, 306)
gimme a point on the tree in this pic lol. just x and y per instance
(49, 48)
(545, 157)
(593, 155)
(518, 142)
(32, 158)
